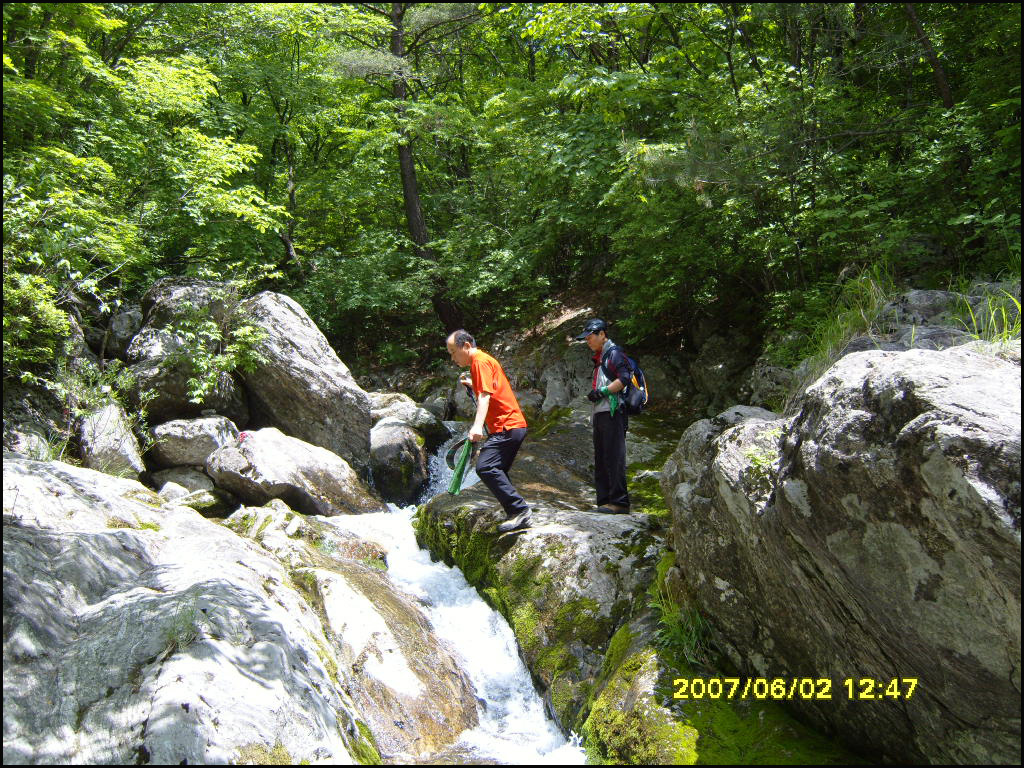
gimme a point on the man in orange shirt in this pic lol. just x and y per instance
(498, 409)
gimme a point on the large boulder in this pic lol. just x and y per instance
(190, 441)
(875, 535)
(302, 386)
(267, 464)
(565, 584)
(108, 444)
(402, 408)
(398, 460)
(400, 675)
(113, 339)
(36, 422)
(161, 371)
(138, 632)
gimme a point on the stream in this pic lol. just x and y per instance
(514, 728)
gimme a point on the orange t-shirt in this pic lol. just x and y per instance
(503, 412)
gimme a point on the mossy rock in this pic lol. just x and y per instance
(626, 723)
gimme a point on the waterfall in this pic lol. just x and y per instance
(514, 727)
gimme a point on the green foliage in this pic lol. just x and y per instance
(672, 163)
(997, 321)
(214, 344)
(681, 630)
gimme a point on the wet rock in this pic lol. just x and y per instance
(415, 697)
(135, 630)
(303, 387)
(108, 444)
(267, 464)
(398, 460)
(565, 584)
(876, 534)
(190, 441)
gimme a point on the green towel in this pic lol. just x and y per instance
(460, 468)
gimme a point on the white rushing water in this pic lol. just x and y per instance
(513, 725)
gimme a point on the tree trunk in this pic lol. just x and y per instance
(933, 59)
(447, 311)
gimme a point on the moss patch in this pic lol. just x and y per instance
(261, 754)
(626, 725)
(364, 750)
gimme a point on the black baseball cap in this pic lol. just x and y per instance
(593, 326)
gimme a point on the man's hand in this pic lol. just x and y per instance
(466, 380)
(476, 435)
(593, 395)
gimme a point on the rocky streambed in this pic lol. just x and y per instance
(254, 600)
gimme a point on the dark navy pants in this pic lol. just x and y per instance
(610, 458)
(494, 462)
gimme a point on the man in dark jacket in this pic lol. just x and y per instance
(612, 373)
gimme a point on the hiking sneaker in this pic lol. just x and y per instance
(522, 520)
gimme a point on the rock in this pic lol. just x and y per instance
(161, 387)
(267, 464)
(529, 399)
(108, 444)
(717, 370)
(398, 461)
(137, 631)
(114, 340)
(416, 698)
(568, 378)
(172, 491)
(303, 387)
(187, 477)
(75, 347)
(629, 726)
(920, 307)
(35, 424)
(190, 441)
(401, 408)
(165, 301)
(874, 535)
(565, 584)
(438, 403)
(769, 385)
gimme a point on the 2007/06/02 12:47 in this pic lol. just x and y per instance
(864, 688)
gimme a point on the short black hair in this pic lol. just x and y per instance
(461, 336)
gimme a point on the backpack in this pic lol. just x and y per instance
(636, 395)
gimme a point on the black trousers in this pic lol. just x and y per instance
(610, 458)
(494, 462)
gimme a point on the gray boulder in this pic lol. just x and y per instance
(113, 340)
(108, 444)
(189, 478)
(402, 408)
(168, 296)
(161, 372)
(267, 464)
(874, 535)
(35, 422)
(303, 387)
(137, 631)
(410, 688)
(398, 460)
(567, 378)
(190, 441)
